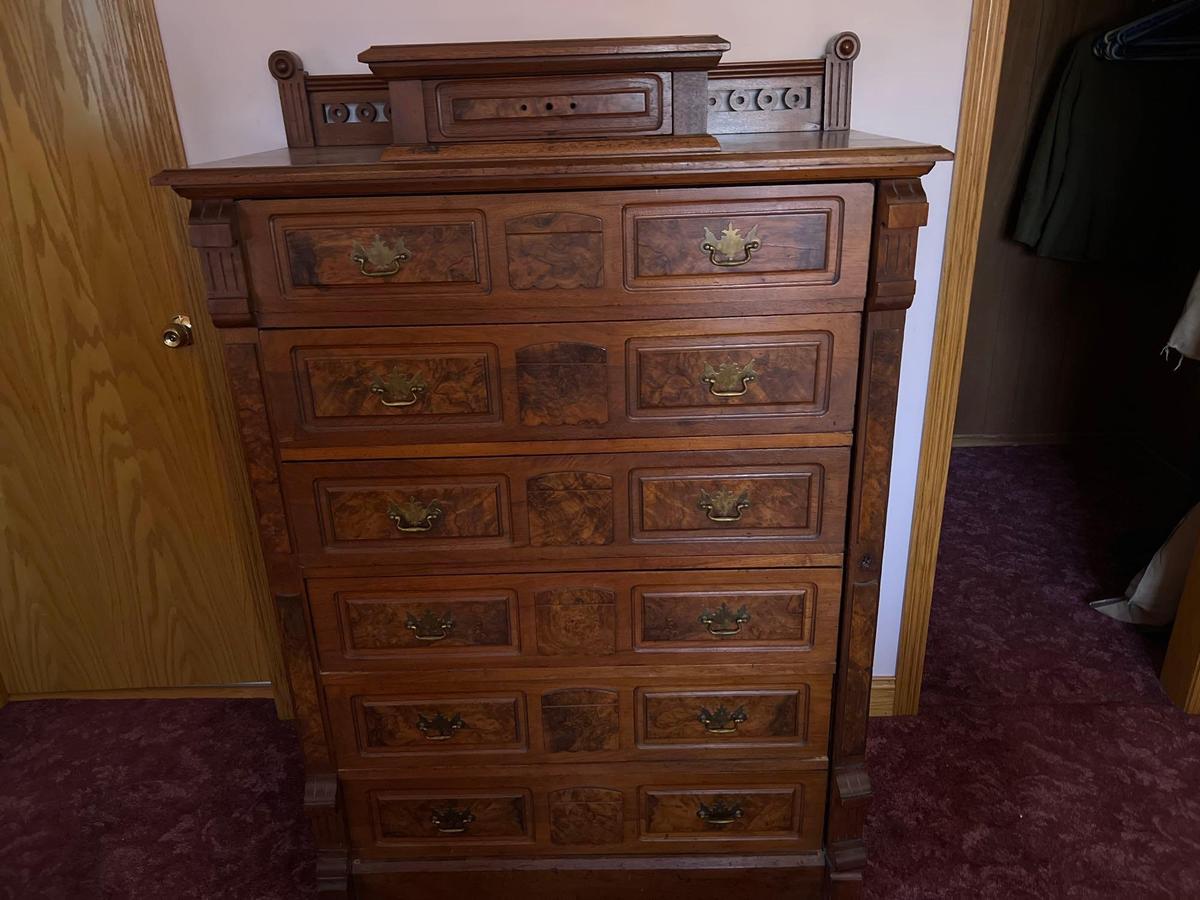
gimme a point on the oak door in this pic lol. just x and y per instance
(127, 558)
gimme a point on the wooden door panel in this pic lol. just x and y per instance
(128, 552)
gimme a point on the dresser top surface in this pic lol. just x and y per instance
(780, 157)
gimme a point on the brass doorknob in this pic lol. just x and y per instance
(178, 333)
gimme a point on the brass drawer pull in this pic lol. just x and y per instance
(398, 388)
(439, 728)
(429, 626)
(731, 247)
(412, 515)
(384, 260)
(730, 379)
(723, 506)
(721, 720)
(452, 820)
(724, 622)
(720, 814)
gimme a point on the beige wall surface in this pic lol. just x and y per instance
(906, 83)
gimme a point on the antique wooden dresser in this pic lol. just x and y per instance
(566, 377)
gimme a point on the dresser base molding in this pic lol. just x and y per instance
(797, 877)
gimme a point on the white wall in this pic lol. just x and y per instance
(906, 83)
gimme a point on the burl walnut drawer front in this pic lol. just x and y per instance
(585, 715)
(554, 811)
(514, 511)
(595, 256)
(409, 385)
(575, 618)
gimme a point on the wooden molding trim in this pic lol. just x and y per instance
(1181, 668)
(977, 117)
(883, 695)
(261, 690)
(4, 698)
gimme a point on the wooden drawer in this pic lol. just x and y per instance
(577, 256)
(581, 715)
(401, 386)
(573, 619)
(582, 810)
(511, 512)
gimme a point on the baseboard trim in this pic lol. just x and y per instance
(258, 690)
(883, 695)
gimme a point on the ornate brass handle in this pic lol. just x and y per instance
(452, 820)
(439, 728)
(429, 626)
(730, 380)
(723, 506)
(731, 247)
(412, 515)
(724, 622)
(722, 720)
(721, 813)
(385, 260)
(401, 387)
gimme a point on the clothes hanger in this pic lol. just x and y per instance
(1168, 34)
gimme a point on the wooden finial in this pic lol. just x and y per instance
(286, 67)
(840, 54)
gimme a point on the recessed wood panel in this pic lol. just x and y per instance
(586, 816)
(695, 619)
(576, 621)
(581, 720)
(578, 618)
(462, 817)
(760, 812)
(568, 509)
(562, 384)
(555, 251)
(699, 718)
(567, 106)
(447, 384)
(698, 243)
(418, 623)
(438, 725)
(426, 513)
(720, 504)
(770, 375)
(378, 254)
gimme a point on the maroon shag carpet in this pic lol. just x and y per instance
(1046, 761)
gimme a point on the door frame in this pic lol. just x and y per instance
(977, 119)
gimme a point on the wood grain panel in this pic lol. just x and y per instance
(127, 549)
(586, 816)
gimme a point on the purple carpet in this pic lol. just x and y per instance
(1046, 761)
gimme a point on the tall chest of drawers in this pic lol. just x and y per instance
(566, 377)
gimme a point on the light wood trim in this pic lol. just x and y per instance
(985, 53)
(252, 691)
(883, 695)
(1181, 669)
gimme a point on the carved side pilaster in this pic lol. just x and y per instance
(288, 70)
(900, 209)
(212, 229)
(840, 53)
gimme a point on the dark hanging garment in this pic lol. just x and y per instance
(1113, 176)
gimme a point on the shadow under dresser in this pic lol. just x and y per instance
(566, 376)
